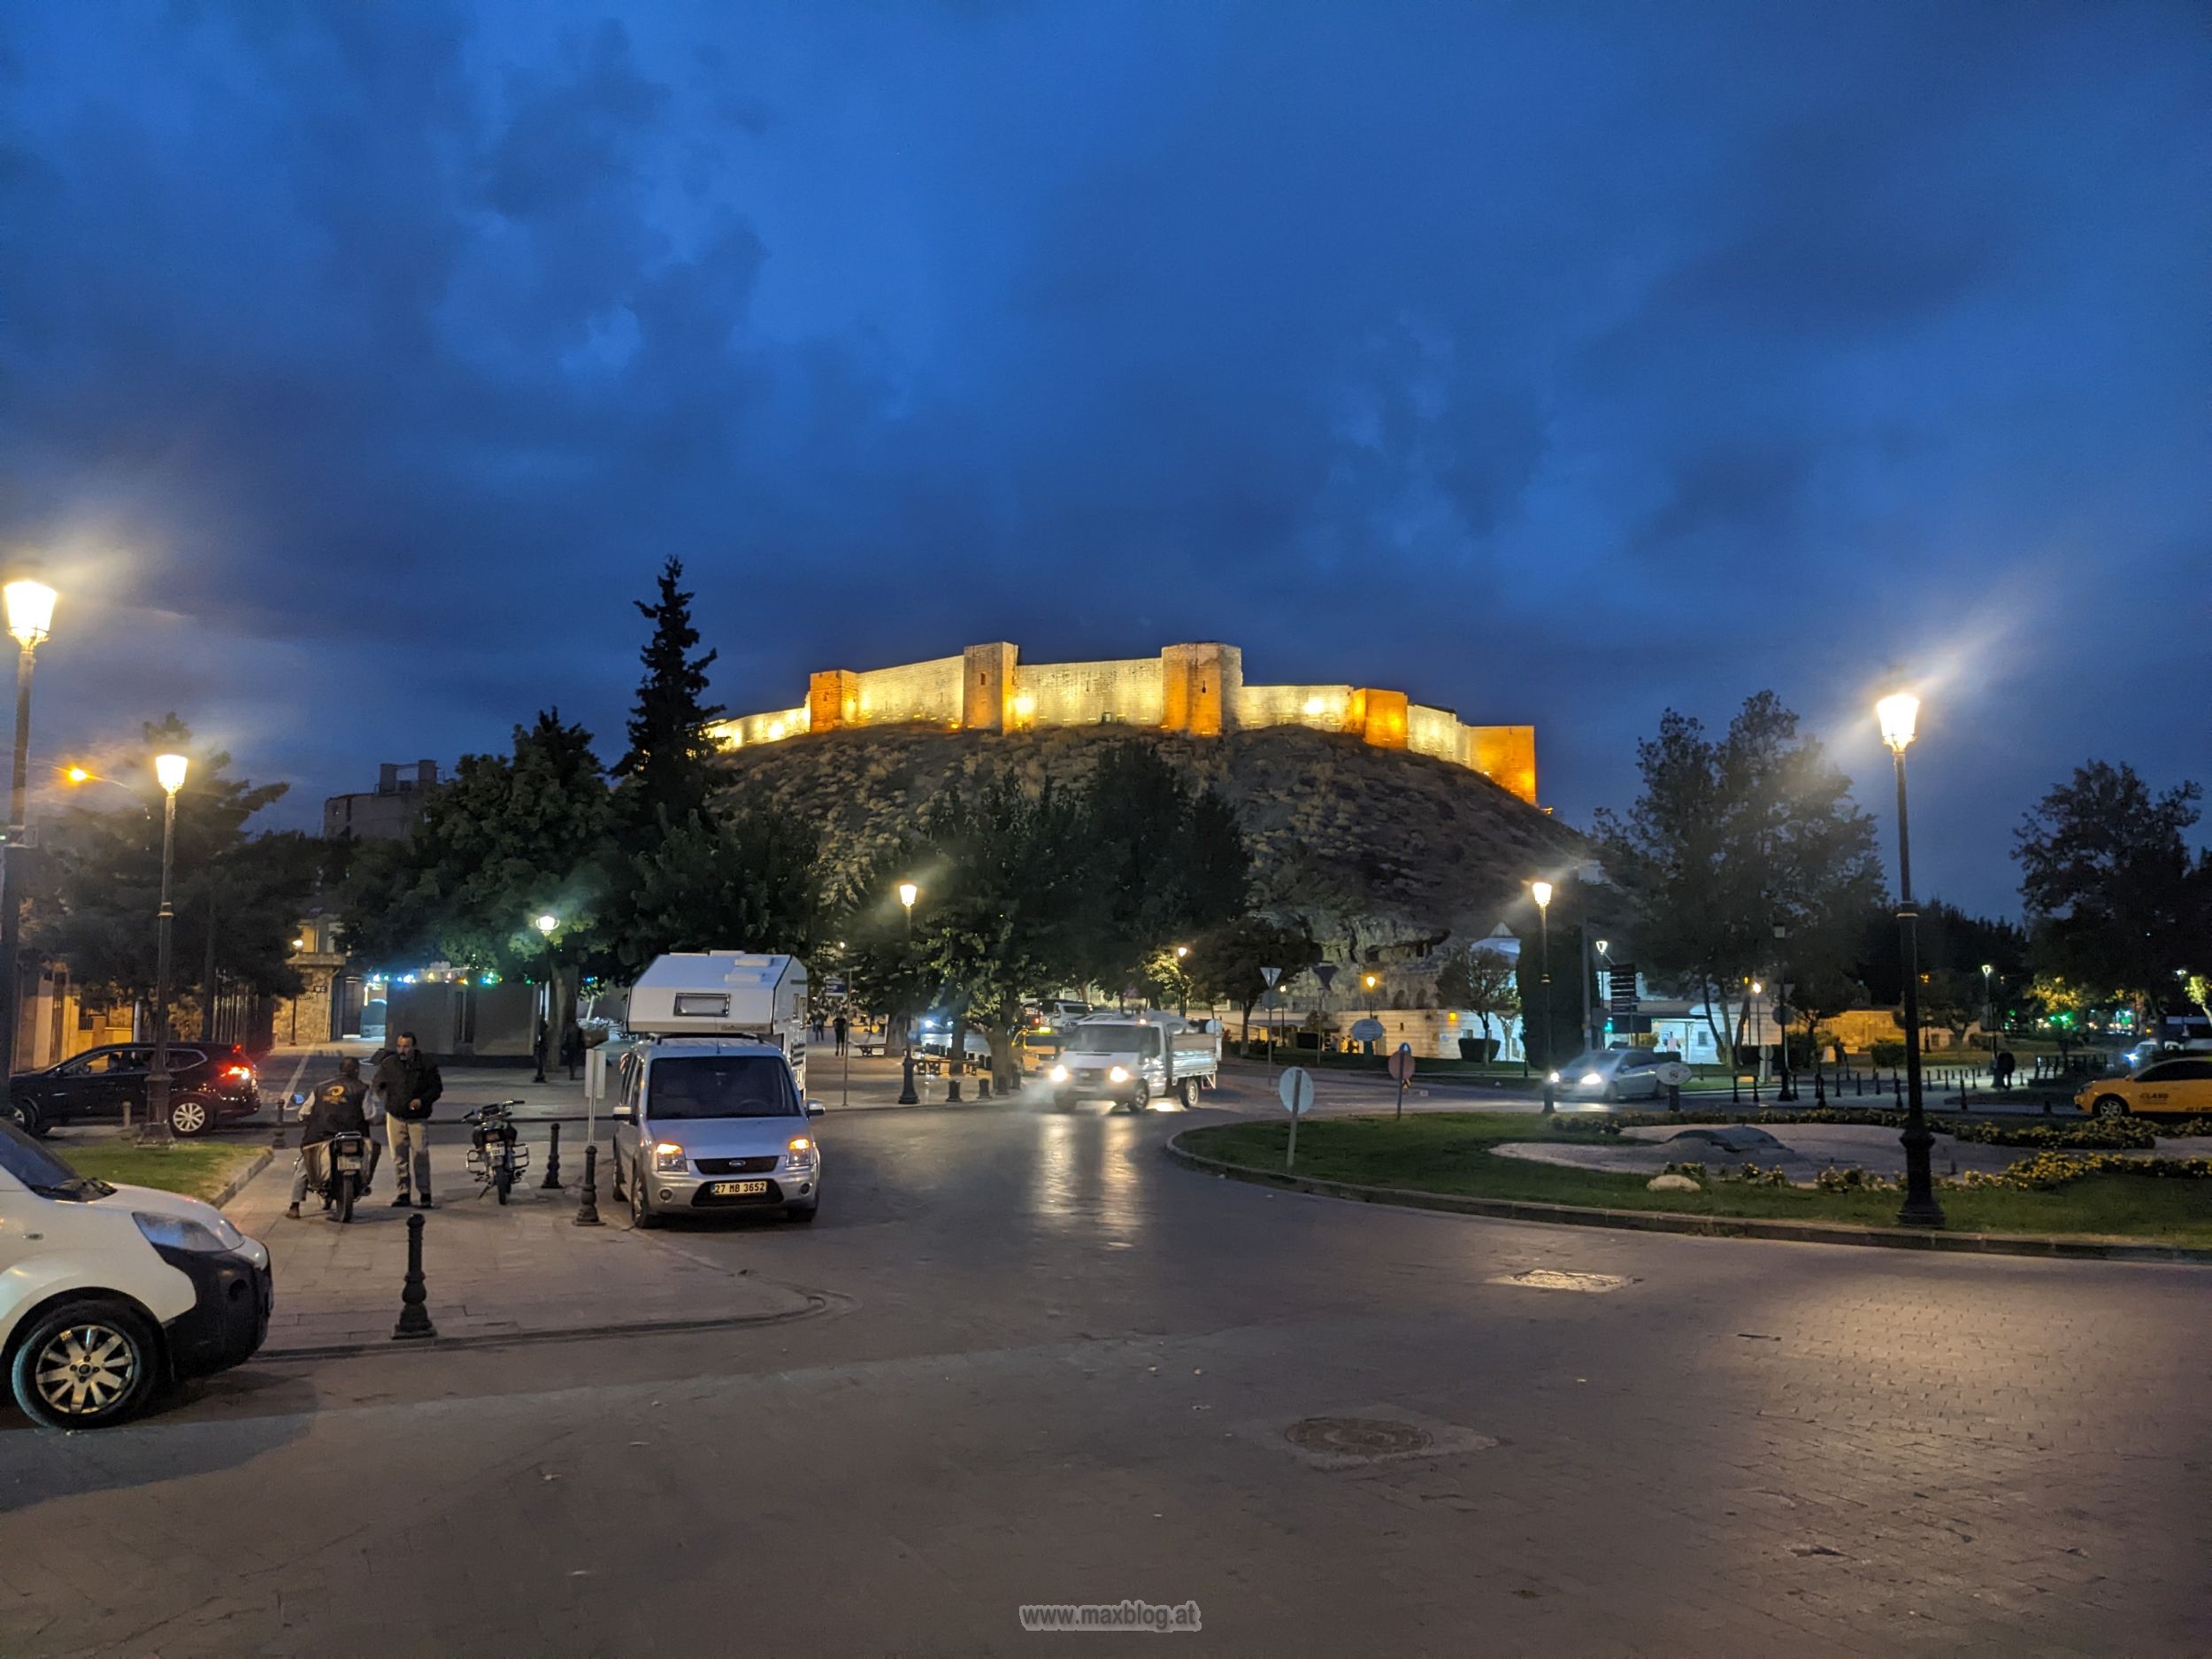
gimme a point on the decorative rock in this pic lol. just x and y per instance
(1672, 1184)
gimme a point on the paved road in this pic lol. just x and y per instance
(1063, 1372)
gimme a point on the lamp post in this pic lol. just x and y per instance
(546, 923)
(1785, 1078)
(169, 770)
(1758, 1044)
(1540, 891)
(1182, 981)
(908, 894)
(1898, 714)
(30, 618)
(1989, 1018)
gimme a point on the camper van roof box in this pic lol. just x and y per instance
(717, 994)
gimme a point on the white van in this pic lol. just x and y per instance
(106, 1293)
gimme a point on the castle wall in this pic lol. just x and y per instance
(1195, 688)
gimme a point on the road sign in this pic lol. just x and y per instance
(1296, 1089)
(1402, 1064)
(1270, 975)
(1367, 1031)
(832, 987)
(1325, 973)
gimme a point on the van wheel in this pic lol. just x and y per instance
(2111, 1106)
(641, 1216)
(85, 1365)
(189, 1116)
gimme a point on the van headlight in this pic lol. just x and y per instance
(180, 1232)
(1059, 1074)
(1119, 1074)
(800, 1153)
(668, 1159)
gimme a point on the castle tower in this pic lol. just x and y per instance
(987, 687)
(833, 699)
(1199, 686)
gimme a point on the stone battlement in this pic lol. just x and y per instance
(1197, 689)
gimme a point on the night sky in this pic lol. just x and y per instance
(1557, 363)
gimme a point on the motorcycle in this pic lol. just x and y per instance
(345, 1160)
(497, 1156)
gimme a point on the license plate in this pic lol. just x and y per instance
(349, 1165)
(737, 1189)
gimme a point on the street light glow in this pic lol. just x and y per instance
(78, 774)
(169, 771)
(908, 894)
(1898, 712)
(30, 613)
(1181, 951)
(1540, 891)
(546, 923)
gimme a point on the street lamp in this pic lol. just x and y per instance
(30, 607)
(1898, 714)
(1540, 891)
(908, 894)
(1989, 1016)
(169, 770)
(1758, 1040)
(546, 922)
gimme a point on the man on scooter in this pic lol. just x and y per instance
(336, 1110)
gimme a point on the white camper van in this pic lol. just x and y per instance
(710, 1109)
(1134, 1059)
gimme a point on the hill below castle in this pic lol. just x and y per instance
(1375, 845)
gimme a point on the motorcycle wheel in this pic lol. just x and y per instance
(503, 1181)
(342, 1197)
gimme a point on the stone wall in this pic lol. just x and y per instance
(1196, 688)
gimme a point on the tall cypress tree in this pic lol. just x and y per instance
(666, 769)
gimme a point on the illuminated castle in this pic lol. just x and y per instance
(1198, 689)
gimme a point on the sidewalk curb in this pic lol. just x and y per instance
(238, 1182)
(1704, 1226)
(817, 1304)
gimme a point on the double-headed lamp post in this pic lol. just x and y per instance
(1540, 891)
(169, 771)
(1899, 714)
(30, 618)
(908, 892)
(546, 924)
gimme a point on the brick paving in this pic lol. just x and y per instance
(1062, 1371)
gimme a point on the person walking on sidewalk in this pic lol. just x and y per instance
(843, 1028)
(410, 1086)
(336, 1110)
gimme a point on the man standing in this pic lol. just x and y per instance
(843, 1028)
(410, 1086)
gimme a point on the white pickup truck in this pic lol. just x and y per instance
(1134, 1059)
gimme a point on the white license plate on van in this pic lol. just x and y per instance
(737, 1189)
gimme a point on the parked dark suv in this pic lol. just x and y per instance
(209, 1083)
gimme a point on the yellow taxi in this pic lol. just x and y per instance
(2181, 1084)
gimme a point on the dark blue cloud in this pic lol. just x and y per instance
(359, 363)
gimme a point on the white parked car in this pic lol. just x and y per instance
(106, 1293)
(1610, 1074)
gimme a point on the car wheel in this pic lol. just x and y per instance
(28, 1121)
(2111, 1106)
(641, 1216)
(189, 1116)
(1610, 1093)
(86, 1364)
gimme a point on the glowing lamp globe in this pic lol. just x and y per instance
(30, 611)
(169, 770)
(1898, 713)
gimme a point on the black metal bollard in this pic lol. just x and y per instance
(1674, 1097)
(1820, 1092)
(553, 1162)
(414, 1319)
(1551, 1104)
(952, 1088)
(588, 1204)
(614, 1185)
(983, 1086)
(1897, 1082)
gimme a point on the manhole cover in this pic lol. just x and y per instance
(1560, 1278)
(1357, 1437)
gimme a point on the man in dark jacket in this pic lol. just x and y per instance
(336, 1109)
(409, 1087)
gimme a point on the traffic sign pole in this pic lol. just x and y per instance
(1402, 1069)
(1296, 1090)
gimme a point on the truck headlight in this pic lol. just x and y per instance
(1119, 1074)
(179, 1232)
(668, 1159)
(1059, 1074)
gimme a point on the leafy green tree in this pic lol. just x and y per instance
(745, 881)
(1480, 978)
(511, 837)
(1225, 963)
(1952, 1000)
(2106, 872)
(1163, 862)
(1732, 838)
(99, 896)
(667, 773)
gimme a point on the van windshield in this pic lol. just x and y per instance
(1142, 1039)
(41, 1170)
(682, 1087)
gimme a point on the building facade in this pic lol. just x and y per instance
(1198, 689)
(387, 814)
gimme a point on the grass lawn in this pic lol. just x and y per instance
(197, 1171)
(1449, 1152)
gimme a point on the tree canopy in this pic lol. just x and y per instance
(667, 772)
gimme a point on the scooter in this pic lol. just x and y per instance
(497, 1156)
(346, 1162)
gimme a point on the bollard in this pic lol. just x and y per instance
(553, 1162)
(1550, 1105)
(1674, 1097)
(1897, 1083)
(588, 1203)
(614, 1183)
(983, 1086)
(414, 1319)
(952, 1088)
(1820, 1092)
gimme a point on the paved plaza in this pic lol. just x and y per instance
(1030, 1360)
